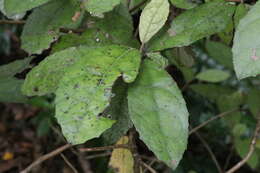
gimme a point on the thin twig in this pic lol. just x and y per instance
(251, 149)
(213, 157)
(147, 167)
(103, 148)
(137, 6)
(98, 155)
(150, 164)
(46, 157)
(68, 163)
(212, 119)
(17, 22)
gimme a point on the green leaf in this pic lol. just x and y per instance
(213, 75)
(91, 37)
(100, 6)
(9, 70)
(181, 56)
(118, 110)
(253, 102)
(85, 89)
(10, 90)
(159, 59)
(211, 91)
(194, 24)
(159, 113)
(16, 6)
(246, 50)
(10, 16)
(44, 78)
(185, 4)
(42, 26)
(220, 52)
(116, 27)
(242, 147)
(152, 19)
(241, 11)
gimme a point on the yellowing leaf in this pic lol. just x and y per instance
(122, 159)
(8, 156)
(153, 18)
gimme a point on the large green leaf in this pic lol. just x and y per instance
(42, 26)
(159, 113)
(85, 89)
(194, 24)
(10, 90)
(100, 6)
(16, 6)
(220, 52)
(213, 75)
(153, 17)
(44, 78)
(246, 49)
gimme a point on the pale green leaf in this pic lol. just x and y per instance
(213, 75)
(85, 89)
(153, 17)
(220, 52)
(9, 70)
(16, 6)
(10, 90)
(246, 47)
(185, 4)
(44, 78)
(193, 25)
(100, 6)
(42, 26)
(159, 113)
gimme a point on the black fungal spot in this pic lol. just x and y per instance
(67, 98)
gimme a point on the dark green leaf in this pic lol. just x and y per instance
(42, 26)
(220, 52)
(194, 24)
